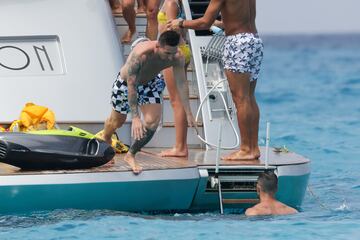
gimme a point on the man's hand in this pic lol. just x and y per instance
(137, 128)
(173, 24)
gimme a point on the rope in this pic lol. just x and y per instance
(317, 199)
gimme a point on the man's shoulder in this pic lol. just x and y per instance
(285, 209)
(290, 210)
(251, 212)
(143, 48)
(255, 210)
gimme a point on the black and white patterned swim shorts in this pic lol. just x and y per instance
(149, 93)
(243, 53)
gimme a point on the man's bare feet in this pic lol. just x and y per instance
(100, 135)
(239, 155)
(117, 10)
(256, 153)
(128, 36)
(140, 10)
(173, 152)
(130, 159)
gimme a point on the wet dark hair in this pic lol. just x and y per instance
(268, 182)
(170, 38)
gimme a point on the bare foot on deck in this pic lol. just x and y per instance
(239, 155)
(128, 36)
(140, 10)
(130, 159)
(117, 10)
(173, 152)
(256, 153)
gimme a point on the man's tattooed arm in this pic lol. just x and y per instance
(133, 69)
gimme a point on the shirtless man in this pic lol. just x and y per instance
(139, 84)
(243, 53)
(151, 9)
(266, 188)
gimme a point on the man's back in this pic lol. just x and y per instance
(272, 207)
(239, 16)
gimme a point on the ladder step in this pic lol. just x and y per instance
(240, 201)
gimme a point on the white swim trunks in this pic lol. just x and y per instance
(243, 53)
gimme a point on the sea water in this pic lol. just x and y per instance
(310, 92)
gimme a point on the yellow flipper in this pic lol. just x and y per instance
(118, 146)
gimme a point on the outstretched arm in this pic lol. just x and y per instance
(202, 23)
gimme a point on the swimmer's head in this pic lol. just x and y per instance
(267, 183)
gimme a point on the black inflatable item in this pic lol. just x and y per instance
(53, 152)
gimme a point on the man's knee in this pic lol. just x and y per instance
(175, 101)
(240, 99)
(151, 13)
(115, 120)
(151, 121)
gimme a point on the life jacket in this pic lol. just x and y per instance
(117, 145)
(34, 117)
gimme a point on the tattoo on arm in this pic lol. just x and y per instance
(132, 97)
(138, 144)
(133, 68)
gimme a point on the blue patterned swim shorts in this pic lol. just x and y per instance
(149, 93)
(243, 53)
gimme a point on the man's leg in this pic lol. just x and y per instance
(180, 149)
(152, 9)
(255, 113)
(115, 121)
(239, 84)
(140, 6)
(151, 114)
(129, 16)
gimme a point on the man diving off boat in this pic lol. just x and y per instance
(243, 53)
(139, 85)
(266, 188)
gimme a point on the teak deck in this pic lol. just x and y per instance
(148, 159)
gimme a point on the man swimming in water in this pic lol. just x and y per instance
(266, 188)
(139, 85)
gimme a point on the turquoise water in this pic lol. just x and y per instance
(309, 90)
